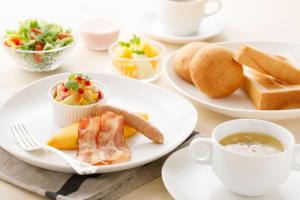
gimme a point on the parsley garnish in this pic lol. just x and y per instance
(124, 44)
(135, 40)
(133, 43)
(72, 77)
(138, 52)
(72, 85)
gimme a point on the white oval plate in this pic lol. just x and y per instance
(238, 104)
(211, 26)
(186, 180)
(172, 114)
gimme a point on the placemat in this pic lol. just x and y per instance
(64, 186)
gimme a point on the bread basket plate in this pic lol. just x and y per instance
(172, 114)
(238, 104)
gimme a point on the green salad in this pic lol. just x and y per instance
(38, 35)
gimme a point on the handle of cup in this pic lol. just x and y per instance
(204, 145)
(216, 10)
(295, 164)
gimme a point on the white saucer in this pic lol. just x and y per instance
(186, 180)
(210, 27)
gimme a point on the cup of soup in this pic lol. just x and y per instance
(251, 157)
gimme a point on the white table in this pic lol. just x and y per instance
(247, 20)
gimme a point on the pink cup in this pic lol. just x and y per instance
(99, 34)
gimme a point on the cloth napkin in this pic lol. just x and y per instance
(63, 186)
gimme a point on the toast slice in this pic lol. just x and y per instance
(268, 93)
(276, 66)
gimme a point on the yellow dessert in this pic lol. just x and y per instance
(133, 58)
(66, 138)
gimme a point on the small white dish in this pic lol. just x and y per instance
(31, 105)
(238, 104)
(99, 34)
(210, 27)
(144, 69)
(186, 180)
(64, 114)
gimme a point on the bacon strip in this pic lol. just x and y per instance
(111, 142)
(101, 140)
(87, 139)
(136, 122)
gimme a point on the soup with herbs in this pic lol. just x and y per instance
(252, 143)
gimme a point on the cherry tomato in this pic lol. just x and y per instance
(39, 46)
(36, 30)
(78, 78)
(17, 41)
(37, 58)
(99, 95)
(80, 91)
(64, 89)
(87, 83)
(62, 35)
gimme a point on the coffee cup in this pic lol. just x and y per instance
(247, 174)
(183, 17)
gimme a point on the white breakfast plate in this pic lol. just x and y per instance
(172, 114)
(186, 180)
(210, 27)
(238, 104)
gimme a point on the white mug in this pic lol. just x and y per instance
(183, 17)
(249, 175)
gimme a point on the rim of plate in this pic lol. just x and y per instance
(212, 105)
(115, 167)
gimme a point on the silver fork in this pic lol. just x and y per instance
(27, 141)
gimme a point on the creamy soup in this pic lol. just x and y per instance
(252, 143)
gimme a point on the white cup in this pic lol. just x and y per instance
(249, 175)
(183, 17)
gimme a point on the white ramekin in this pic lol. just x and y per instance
(64, 114)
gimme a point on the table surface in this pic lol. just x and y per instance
(246, 20)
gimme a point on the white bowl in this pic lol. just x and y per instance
(121, 65)
(64, 114)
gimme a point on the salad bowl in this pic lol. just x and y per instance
(29, 60)
(38, 46)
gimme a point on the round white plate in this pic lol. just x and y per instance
(238, 104)
(172, 114)
(210, 27)
(186, 180)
